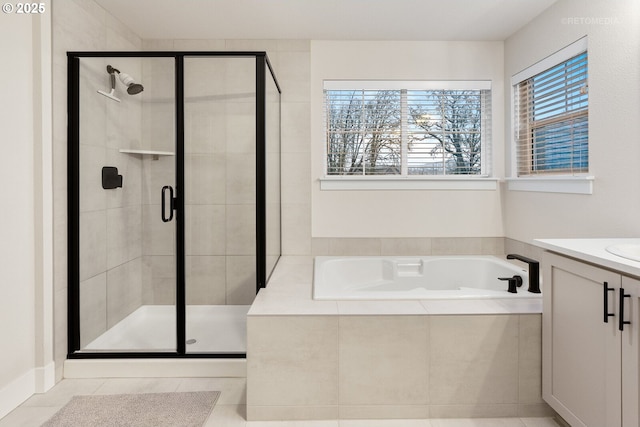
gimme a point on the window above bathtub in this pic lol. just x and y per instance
(407, 135)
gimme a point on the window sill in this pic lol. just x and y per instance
(407, 183)
(553, 184)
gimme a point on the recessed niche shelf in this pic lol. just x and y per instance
(154, 153)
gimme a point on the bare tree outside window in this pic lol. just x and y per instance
(445, 130)
(363, 135)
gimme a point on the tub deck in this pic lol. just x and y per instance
(309, 359)
(290, 291)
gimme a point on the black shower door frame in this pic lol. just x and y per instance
(263, 66)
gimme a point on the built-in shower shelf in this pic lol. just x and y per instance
(154, 153)
(149, 152)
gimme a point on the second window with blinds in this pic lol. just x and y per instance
(551, 105)
(410, 129)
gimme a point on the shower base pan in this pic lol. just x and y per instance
(209, 329)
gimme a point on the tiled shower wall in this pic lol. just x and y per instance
(110, 232)
(220, 101)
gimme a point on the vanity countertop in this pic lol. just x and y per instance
(594, 251)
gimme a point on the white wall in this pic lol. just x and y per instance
(405, 213)
(25, 221)
(613, 210)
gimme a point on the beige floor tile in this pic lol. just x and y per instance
(227, 416)
(62, 392)
(28, 416)
(233, 391)
(540, 422)
(385, 423)
(139, 385)
(477, 422)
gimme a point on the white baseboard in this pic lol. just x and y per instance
(45, 377)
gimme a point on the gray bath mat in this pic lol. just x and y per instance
(189, 409)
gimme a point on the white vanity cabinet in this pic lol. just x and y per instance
(590, 367)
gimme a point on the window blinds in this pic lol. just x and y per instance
(407, 131)
(552, 120)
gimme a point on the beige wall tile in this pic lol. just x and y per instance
(159, 279)
(241, 279)
(198, 44)
(406, 247)
(205, 229)
(205, 179)
(294, 45)
(130, 167)
(93, 308)
(124, 291)
(206, 280)
(456, 246)
(241, 232)
(355, 246)
(240, 179)
(383, 360)
(155, 175)
(240, 127)
(530, 359)
(292, 361)
(158, 238)
(205, 126)
(295, 178)
(474, 360)
(296, 133)
(93, 243)
(296, 226)
(124, 235)
(92, 196)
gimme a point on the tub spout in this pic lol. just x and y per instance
(534, 271)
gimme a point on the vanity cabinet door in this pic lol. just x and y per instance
(581, 353)
(631, 353)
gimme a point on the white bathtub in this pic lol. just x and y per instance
(427, 277)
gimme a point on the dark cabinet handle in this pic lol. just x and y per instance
(607, 289)
(621, 321)
(163, 203)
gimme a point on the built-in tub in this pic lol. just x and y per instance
(422, 278)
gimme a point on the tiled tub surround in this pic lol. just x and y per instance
(388, 359)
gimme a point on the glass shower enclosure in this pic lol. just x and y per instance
(174, 200)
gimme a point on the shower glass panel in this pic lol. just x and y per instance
(220, 200)
(127, 253)
(272, 173)
(174, 200)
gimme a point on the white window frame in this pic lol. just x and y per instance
(561, 183)
(484, 181)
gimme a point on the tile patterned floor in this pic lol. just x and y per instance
(229, 410)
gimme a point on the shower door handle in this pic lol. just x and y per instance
(163, 203)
